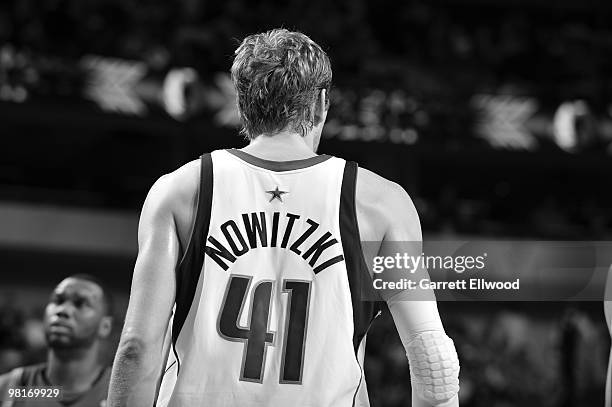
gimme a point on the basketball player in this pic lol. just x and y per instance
(246, 284)
(77, 320)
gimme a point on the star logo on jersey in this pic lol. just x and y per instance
(276, 194)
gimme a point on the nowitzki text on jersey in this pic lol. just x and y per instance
(287, 231)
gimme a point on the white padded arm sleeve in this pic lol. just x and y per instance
(434, 367)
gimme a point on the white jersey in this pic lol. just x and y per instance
(268, 311)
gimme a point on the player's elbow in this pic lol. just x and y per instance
(132, 347)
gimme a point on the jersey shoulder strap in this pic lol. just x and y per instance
(30, 375)
(357, 270)
(190, 266)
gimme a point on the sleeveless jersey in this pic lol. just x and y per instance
(268, 309)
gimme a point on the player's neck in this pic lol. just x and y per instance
(74, 370)
(282, 146)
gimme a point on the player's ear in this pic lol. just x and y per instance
(321, 106)
(324, 99)
(106, 326)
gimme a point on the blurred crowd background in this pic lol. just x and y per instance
(495, 115)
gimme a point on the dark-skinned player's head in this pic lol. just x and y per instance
(79, 313)
(282, 80)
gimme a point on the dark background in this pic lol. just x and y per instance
(494, 115)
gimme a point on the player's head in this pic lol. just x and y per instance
(79, 313)
(282, 79)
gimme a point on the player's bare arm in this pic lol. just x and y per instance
(397, 227)
(161, 237)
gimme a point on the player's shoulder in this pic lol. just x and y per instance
(7, 379)
(177, 188)
(21, 376)
(374, 188)
(384, 209)
(181, 180)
